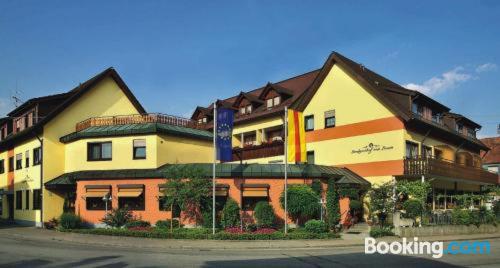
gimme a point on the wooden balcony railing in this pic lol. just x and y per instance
(139, 119)
(438, 167)
(258, 151)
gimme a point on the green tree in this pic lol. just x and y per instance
(332, 205)
(382, 201)
(264, 214)
(230, 214)
(302, 202)
(190, 189)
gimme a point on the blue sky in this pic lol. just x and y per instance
(175, 56)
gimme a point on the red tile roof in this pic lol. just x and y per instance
(493, 155)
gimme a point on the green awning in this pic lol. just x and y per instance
(341, 175)
(137, 129)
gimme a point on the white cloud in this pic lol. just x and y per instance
(487, 67)
(438, 84)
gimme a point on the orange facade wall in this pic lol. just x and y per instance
(152, 212)
(355, 129)
(379, 168)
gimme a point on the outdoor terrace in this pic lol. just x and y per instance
(139, 119)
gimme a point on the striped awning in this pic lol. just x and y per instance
(97, 190)
(130, 190)
(255, 190)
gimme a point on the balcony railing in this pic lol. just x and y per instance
(139, 119)
(438, 167)
(440, 124)
(258, 151)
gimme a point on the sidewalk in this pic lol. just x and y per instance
(40, 235)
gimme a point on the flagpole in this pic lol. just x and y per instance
(286, 169)
(213, 167)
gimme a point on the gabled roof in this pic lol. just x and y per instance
(279, 89)
(72, 96)
(493, 155)
(249, 97)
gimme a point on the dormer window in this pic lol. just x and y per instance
(202, 120)
(459, 128)
(273, 102)
(246, 109)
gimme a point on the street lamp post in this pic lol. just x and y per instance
(106, 199)
(321, 203)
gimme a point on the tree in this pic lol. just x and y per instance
(190, 189)
(382, 201)
(332, 205)
(302, 202)
(264, 214)
(230, 214)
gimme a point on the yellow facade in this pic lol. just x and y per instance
(105, 99)
(172, 150)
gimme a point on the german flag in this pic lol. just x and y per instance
(296, 137)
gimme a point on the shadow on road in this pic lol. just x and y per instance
(89, 261)
(337, 260)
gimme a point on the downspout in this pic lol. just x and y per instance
(41, 177)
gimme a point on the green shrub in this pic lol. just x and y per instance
(302, 202)
(250, 227)
(203, 233)
(264, 214)
(332, 205)
(117, 217)
(355, 205)
(413, 208)
(316, 226)
(496, 208)
(70, 221)
(230, 214)
(137, 223)
(381, 231)
(165, 224)
(461, 217)
(316, 187)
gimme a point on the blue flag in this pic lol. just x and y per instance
(225, 120)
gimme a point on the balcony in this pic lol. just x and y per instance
(438, 122)
(139, 119)
(274, 148)
(443, 168)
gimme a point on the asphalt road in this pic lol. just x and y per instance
(26, 253)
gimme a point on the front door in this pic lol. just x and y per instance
(10, 204)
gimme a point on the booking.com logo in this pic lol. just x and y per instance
(436, 248)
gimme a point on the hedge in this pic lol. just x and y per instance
(200, 233)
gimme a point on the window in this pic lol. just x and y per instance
(27, 199)
(309, 122)
(269, 103)
(202, 120)
(37, 199)
(97, 203)
(242, 110)
(2, 166)
(329, 118)
(139, 149)
(27, 158)
(417, 109)
(249, 109)
(99, 151)
(310, 157)
(246, 109)
(411, 150)
(19, 161)
(426, 151)
(460, 128)
(37, 156)
(250, 202)
(11, 164)
(19, 200)
(131, 197)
